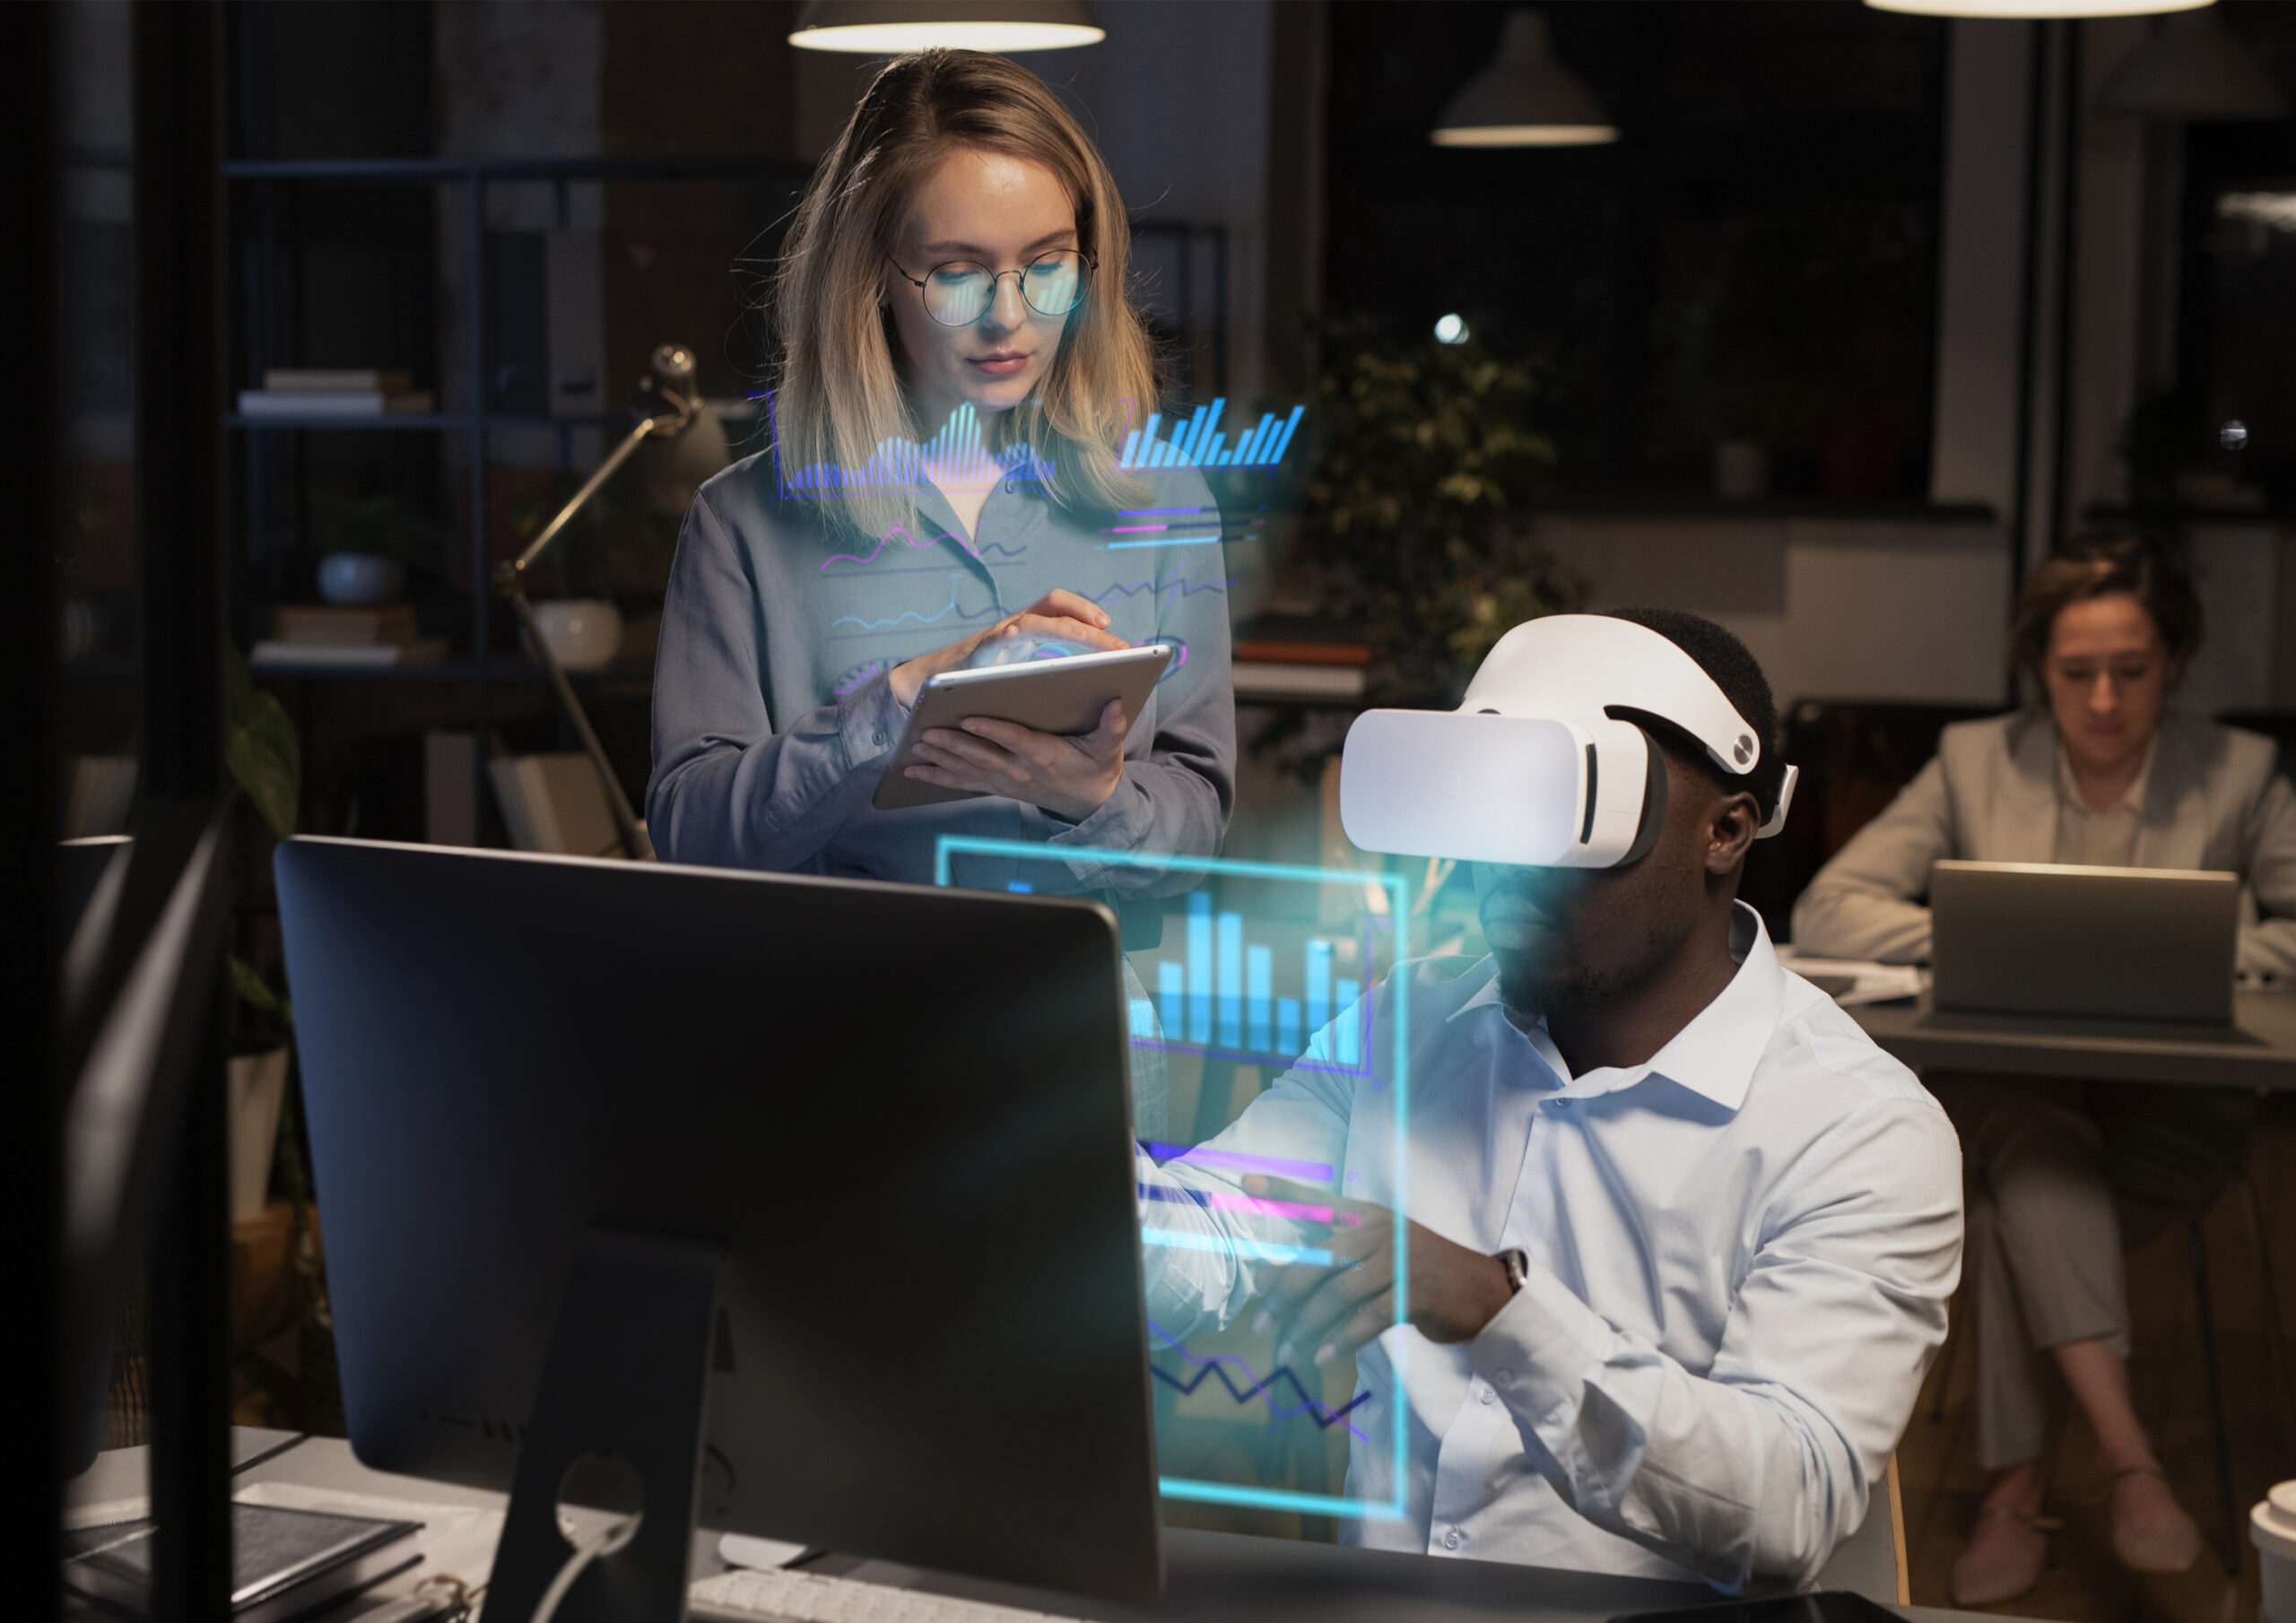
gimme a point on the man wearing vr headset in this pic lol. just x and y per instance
(1679, 1237)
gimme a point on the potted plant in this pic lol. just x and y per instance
(1417, 519)
(265, 757)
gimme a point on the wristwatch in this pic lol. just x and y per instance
(1518, 1266)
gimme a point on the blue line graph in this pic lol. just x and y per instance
(925, 545)
(1172, 586)
(935, 618)
(1216, 1364)
(1199, 443)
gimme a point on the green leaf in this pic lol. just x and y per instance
(256, 992)
(260, 747)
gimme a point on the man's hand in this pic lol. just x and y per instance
(1330, 1312)
(1058, 614)
(1072, 777)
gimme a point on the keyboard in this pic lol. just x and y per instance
(805, 1597)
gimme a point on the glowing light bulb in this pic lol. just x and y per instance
(2233, 435)
(1450, 329)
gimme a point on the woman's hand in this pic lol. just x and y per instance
(1058, 614)
(1324, 1314)
(1071, 778)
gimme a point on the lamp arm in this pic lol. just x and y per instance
(510, 580)
(634, 841)
(514, 570)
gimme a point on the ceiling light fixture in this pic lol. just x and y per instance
(2193, 68)
(885, 27)
(2037, 10)
(1525, 98)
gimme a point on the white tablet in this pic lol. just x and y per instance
(1062, 695)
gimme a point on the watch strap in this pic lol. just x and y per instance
(1518, 1265)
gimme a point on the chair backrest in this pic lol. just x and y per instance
(1871, 1561)
(2278, 726)
(1854, 756)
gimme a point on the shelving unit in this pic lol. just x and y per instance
(258, 187)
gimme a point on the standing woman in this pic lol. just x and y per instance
(2062, 1176)
(958, 365)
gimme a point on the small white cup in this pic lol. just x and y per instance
(584, 632)
(360, 577)
(2272, 1527)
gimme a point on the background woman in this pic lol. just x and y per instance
(958, 364)
(2063, 1176)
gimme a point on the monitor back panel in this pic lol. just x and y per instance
(904, 1113)
(2109, 943)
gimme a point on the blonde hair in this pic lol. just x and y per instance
(840, 395)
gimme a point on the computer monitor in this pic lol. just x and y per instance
(901, 1116)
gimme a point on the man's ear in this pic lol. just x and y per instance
(1732, 823)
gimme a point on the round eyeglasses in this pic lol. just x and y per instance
(959, 293)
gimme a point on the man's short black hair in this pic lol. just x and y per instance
(1735, 671)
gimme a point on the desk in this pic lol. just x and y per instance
(1211, 1577)
(2262, 1055)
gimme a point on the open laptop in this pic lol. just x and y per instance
(2124, 945)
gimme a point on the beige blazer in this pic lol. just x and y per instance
(2214, 802)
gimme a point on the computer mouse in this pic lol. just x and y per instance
(1016, 650)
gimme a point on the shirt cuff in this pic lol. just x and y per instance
(869, 722)
(1538, 1353)
(1116, 824)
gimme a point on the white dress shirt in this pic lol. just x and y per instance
(2088, 838)
(1740, 1254)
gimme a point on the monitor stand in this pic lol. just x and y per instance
(627, 1374)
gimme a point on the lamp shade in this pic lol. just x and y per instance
(2193, 68)
(1525, 98)
(885, 28)
(2039, 10)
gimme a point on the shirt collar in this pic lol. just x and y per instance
(1714, 1055)
(2131, 800)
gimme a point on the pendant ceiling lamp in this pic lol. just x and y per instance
(2193, 68)
(885, 27)
(1525, 98)
(2038, 11)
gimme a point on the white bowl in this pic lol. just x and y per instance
(360, 577)
(584, 632)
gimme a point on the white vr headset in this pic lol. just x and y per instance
(1544, 764)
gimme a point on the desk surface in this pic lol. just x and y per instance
(1210, 1577)
(2261, 1052)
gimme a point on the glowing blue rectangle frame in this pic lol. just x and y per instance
(1398, 894)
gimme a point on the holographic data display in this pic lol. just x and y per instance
(1256, 996)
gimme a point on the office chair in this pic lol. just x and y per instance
(1872, 1561)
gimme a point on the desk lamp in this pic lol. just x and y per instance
(672, 382)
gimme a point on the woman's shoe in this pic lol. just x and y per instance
(2005, 1557)
(2150, 1532)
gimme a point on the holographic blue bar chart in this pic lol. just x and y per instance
(1197, 441)
(1218, 996)
(1257, 982)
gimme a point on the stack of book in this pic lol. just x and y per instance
(301, 392)
(1298, 659)
(322, 634)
